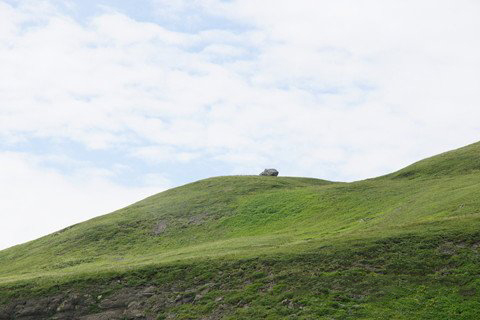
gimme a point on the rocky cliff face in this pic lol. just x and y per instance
(78, 305)
(141, 302)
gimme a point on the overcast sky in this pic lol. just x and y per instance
(105, 102)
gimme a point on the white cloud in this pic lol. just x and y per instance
(37, 200)
(157, 154)
(323, 75)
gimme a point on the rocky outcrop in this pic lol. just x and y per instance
(129, 303)
(160, 227)
(269, 172)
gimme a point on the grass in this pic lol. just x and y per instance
(400, 246)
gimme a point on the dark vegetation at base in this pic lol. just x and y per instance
(436, 277)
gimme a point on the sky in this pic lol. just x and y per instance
(103, 103)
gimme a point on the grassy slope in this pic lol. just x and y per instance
(398, 242)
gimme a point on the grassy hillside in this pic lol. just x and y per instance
(404, 245)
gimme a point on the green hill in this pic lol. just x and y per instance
(401, 246)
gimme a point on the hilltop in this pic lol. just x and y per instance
(405, 245)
